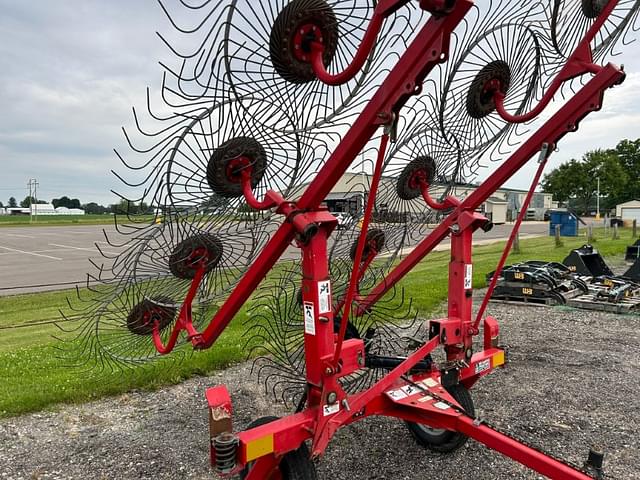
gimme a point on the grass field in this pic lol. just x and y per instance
(32, 376)
(52, 220)
(25, 220)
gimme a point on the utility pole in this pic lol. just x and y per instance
(33, 199)
(30, 211)
(598, 201)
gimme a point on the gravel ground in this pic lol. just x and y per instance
(572, 381)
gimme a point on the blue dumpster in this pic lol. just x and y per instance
(568, 223)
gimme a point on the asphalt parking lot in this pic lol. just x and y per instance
(55, 257)
(32, 256)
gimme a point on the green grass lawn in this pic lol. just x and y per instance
(52, 220)
(33, 377)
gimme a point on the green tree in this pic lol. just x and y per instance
(94, 209)
(12, 202)
(28, 201)
(125, 207)
(63, 201)
(629, 157)
(578, 179)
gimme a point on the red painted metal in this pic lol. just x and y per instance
(580, 62)
(535, 459)
(355, 273)
(271, 199)
(429, 48)
(448, 202)
(327, 358)
(185, 319)
(317, 51)
(514, 232)
(383, 10)
(565, 120)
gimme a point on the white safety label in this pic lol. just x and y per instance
(410, 390)
(483, 365)
(397, 394)
(468, 276)
(309, 318)
(324, 297)
(330, 409)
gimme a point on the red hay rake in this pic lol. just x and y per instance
(248, 153)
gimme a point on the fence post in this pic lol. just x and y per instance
(516, 243)
(615, 231)
(558, 239)
(590, 233)
(635, 229)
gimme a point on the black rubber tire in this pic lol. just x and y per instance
(444, 441)
(295, 465)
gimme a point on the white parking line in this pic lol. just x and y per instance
(72, 247)
(19, 236)
(93, 250)
(30, 253)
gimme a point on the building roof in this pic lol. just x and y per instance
(629, 202)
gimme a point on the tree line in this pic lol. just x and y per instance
(91, 208)
(575, 183)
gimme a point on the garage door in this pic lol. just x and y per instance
(631, 213)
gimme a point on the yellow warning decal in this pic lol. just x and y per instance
(498, 359)
(259, 447)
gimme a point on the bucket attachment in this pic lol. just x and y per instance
(587, 261)
(633, 252)
(634, 271)
(548, 283)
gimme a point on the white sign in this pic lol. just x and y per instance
(309, 318)
(397, 394)
(324, 297)
(468, 276)
(483, 365)
(330, 409)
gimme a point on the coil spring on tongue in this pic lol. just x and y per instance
(225, 446)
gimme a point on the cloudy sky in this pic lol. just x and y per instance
(71, 70)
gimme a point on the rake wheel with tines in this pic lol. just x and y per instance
(270, 111)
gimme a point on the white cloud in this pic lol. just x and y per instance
(71, 71)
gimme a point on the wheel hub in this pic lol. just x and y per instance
(224, 171)
(144, 316)
(494, 77)
(305, 36)
(593, 8)
(190, 253)
(419, 170)
(297, 27)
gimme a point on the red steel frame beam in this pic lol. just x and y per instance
(429, 48)
(312, 423)
(566, 120)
